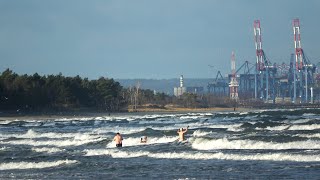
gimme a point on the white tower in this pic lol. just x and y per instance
(233, 83)
(178, 91)
(181, 81)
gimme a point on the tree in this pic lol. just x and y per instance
(53, 91)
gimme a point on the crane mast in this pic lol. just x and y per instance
(260, 64)
(297, 44)
(303, 68)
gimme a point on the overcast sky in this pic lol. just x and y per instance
(149, 38)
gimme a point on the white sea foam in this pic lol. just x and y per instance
(77, 141)
(191, 117)
(67, 120)
(304, 127)
(231, 118)
(255, 117)
(30, 134)
(298, 121)
(160, 121)
(174, 127)
(3, 122)
(293, 127)
(199, 133)
(75, 118)
(34, 165)
(175, 117)
(317, 135)
(308, 114)
(51, 122)
(156, 116)
(102, 118)
(47, 149)
(200, 114)
(275, 110)
(32, 124)
(139, 117)
(237, 157)
(244, 113)
(205, 144)
(116, 153)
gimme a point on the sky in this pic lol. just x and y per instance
(152, 39)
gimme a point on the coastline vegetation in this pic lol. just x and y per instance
(57, 92)
(25, 94)
(35, 93)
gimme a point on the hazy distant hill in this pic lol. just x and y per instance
(164, 85)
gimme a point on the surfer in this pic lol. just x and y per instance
(181, 132)
(143, 139)
(118, 139)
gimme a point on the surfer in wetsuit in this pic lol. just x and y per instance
(181, 132)
(118, 139)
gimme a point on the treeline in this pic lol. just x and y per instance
(57, 92)
(137, 98)
(35, 92)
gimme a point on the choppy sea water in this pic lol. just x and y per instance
(264, 144)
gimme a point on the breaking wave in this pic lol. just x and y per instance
(205, 156)
(35, 165)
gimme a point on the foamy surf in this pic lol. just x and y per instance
(31, 134)
(304, 127)
(231, 141)
(52, 142)
(199, 133)
(213, 144)
(47, 149)
(35, 165)
(116, 153)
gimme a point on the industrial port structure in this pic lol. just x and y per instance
(270, 82)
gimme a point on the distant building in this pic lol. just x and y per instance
(178, 91)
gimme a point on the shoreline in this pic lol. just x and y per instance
(215, 109)
(70, 114)
(48, 115)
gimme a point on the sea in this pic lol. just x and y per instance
(253, 144)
